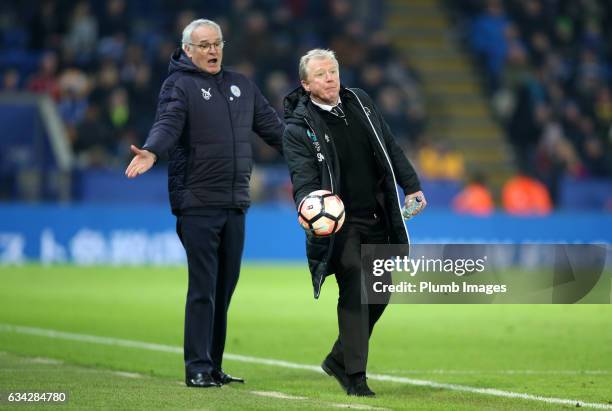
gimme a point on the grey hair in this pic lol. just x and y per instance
(315, 54)
(194, 25)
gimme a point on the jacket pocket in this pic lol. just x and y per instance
(189, 166)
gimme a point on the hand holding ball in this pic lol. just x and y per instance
(321, 213)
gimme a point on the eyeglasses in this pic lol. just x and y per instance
(204, 47)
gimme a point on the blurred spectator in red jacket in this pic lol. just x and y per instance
(45, 80)
(475, 198)
(524, 195)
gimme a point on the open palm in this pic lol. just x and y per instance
(141, 163)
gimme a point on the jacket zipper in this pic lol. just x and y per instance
(386, 156)
(229, 110)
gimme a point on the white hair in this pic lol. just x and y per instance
(188, 30)
(315, 54)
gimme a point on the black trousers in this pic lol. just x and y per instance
(355, 320)
(214, 242)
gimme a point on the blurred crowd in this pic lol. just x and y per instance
(547, 66)
(103, 61)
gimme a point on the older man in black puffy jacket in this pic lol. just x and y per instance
(203, 124)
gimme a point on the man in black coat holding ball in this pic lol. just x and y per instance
(337, 140)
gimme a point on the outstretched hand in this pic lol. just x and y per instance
(422, 203)
(141, 163)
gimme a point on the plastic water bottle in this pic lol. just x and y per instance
(413, 204)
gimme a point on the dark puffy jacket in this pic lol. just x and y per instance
(313, 164)
(204, 124)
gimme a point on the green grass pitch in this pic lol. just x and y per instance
(562, 351)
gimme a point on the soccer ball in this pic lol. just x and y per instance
(321, 213)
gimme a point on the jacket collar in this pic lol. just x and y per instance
(180, 61)
(297, 101)
(326, 107)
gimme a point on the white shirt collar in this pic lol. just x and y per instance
(325, 107)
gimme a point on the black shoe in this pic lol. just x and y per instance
(359, 387)
(334, 369)
(201, 380)
(222, 378)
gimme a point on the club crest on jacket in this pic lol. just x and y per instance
(206, 94)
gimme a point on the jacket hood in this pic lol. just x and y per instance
(179, 61)
(295, 103)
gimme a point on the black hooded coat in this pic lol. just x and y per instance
(204, 124)
(309, 151)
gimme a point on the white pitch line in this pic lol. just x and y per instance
(355, 406)
(283, 396)
(52, 361)
(490, 391)
(40, 360)
(42, 332)
(127, 374)
(286, 364)
(503, 372)
(276, 394)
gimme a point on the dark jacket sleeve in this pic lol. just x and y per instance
(303, 166)
(266, 122)
(172, 111)
(404, 172)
